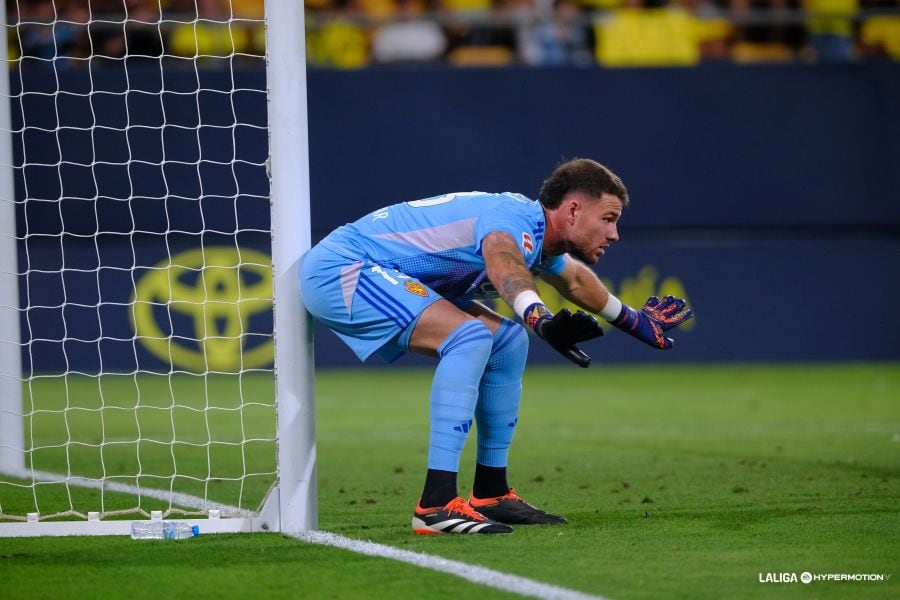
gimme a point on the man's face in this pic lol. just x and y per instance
(591, 225)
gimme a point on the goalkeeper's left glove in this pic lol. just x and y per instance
(648, 324)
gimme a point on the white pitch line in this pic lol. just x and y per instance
(474, 573)
(174, 498)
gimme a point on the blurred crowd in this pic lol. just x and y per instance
(138, 29)
(358, 33)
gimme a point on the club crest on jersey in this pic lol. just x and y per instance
(416, 288)
(527, 243)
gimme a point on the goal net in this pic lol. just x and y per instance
(137, 354)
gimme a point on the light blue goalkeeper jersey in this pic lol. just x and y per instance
(438, 240)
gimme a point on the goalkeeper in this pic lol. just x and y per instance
(409, 277)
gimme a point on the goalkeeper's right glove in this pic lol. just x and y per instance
(563, 330)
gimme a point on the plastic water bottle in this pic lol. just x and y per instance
(163, 530)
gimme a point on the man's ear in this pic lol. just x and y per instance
(572, 207)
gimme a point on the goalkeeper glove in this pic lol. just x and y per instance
(648, 324)
(563, 330)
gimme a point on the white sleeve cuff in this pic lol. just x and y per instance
(611, 311)
(524, 300)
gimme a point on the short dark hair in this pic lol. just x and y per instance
(581, 175)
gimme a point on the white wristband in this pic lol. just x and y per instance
(612, 309)
(524, 300)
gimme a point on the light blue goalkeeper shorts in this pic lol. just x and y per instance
(372, 309)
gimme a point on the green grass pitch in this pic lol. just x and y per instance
(678, 482)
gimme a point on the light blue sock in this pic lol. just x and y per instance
(497, 411)
(454, 392)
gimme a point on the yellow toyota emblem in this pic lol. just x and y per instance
(195, 310)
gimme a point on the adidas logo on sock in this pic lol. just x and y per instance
(463, 427)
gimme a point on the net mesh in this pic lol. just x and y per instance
(142, 236)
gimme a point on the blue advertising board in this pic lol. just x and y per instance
(760, 300)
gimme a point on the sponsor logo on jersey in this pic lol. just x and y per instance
(416, 288)
(527, 243)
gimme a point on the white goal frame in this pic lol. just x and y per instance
(291, 504)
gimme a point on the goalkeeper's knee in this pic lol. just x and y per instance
(508, 354)
(454, 392)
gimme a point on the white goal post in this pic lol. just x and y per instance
(163, 371)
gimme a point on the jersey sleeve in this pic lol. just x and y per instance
(554, 265)
(508, 218)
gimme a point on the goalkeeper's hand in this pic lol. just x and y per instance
(563, 330)
(655, 318)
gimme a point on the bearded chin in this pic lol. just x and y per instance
(574, 251)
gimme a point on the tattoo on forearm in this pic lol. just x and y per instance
(514, 284)
(506, 267)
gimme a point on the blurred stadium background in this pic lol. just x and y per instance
(765, 194)
(352, 34)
